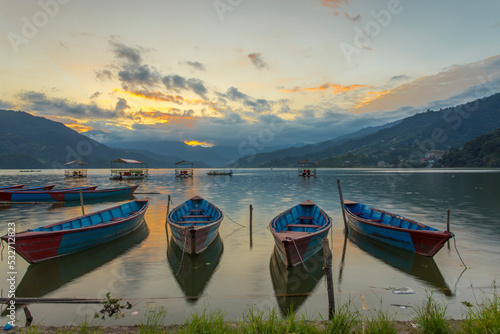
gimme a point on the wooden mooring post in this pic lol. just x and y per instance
(251, 218)
(81, 203)
(346, 230)
(329, 278)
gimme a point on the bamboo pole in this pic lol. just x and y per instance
(251, 219)
(166, 216)
(448, 221)
(346, 230)
(81, 202)
(329, 279)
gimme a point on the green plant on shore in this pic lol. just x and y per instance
(153, 321)
(485, 317)
(208, 322)
(271, 323)
(431, 317)
(382, 323)
(343, 320)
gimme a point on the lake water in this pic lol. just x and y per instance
(238, 273)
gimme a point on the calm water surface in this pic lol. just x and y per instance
(238, 273)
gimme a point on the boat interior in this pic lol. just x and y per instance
(105, 216)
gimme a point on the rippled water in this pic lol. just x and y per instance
(238, 273)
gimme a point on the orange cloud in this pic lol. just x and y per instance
(335, 4)
(79, 127)
(336, 88)
(370, 97)
(197, 143)
(149, 117)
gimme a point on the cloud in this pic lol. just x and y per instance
(129, 54)
(473, 81)
(95, 95)
(6, 105)
(178, 83)
(401, 77)
(103, 75)
(335, 88)
(42, 104)
(335, 4)
(256, 59)
(196, 65)
(257, 105)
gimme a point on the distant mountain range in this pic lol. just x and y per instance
(28, 141)
(409, 139)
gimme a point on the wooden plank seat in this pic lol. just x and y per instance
(303, 225)
(194, 222)
(305, 218)
(196, 210)
(195, 216)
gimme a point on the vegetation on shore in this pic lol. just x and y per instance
(429, 317)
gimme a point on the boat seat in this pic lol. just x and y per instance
(194, 222)
(375, 220)
(195, 216)
(196, 210)
(305, 218)
(303, 225)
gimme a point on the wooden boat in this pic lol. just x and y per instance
(394, 230)
(195, 224)
(17, 186)
(78, 234)
(45, 277)
(73, 194)
(220, 172)
(299, 231)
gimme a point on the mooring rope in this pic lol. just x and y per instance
(460, 257)
(300, 257)
(183, 250)
(232, 219)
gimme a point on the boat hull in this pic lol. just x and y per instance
(194, 235)
(43, 243)
(90, 193)
(424, 242)
(295, 242)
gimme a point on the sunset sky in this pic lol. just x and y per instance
(218, 72)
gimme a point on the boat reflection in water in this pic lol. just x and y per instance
(42, 278)
(293, 285)
(422, 267)
(193, 271)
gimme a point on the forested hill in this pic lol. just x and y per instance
(482, 151)
(409, 140)
(28, 141)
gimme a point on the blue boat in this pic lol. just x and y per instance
(394, 230)
(298, 232)
(195, 224)
(80, 233)
(62, 195)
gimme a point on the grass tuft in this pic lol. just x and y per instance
(343, 321)
(431, 317)
(153, 322)
(485, 317)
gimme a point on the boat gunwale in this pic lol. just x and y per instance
(276, 234)
(192, 226)
(35, 234)
(396, 228)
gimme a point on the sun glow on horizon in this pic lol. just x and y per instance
(197, 143)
